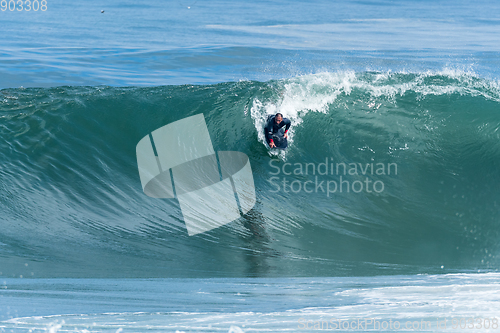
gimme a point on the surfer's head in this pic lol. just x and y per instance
(278, 118)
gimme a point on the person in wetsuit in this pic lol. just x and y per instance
(274, 130)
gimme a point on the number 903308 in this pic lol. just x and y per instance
(23, 5)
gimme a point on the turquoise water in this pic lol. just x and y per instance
(72, 191)
(399, 101)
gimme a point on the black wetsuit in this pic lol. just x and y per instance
(275, 132)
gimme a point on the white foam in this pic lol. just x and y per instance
(316, 92)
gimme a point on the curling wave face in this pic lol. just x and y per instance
(71, 193)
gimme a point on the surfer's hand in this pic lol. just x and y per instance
(285, 136)
(272, 145)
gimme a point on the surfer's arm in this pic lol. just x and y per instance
(269, 132)
(288, 123)
(269, 137)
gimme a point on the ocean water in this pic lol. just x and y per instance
(382, 215)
